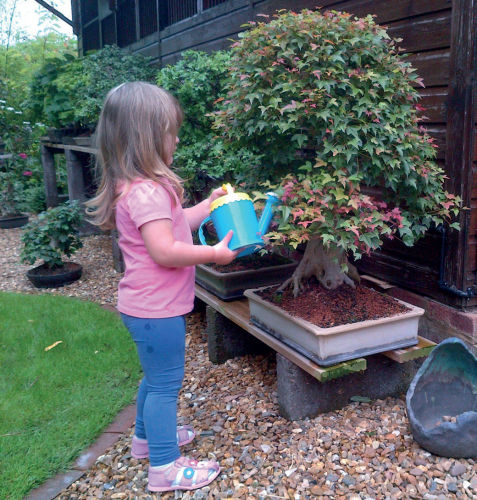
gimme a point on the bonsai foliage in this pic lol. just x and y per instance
(197, 80)
(52, 235)
(332, 106)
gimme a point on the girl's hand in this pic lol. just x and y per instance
(223, 254)
(216, 193)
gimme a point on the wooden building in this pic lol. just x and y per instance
(440, 37)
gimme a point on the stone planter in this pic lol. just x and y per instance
(442, 401)
(43, 277)
(13, 221)
(231, 285)
(328, 346)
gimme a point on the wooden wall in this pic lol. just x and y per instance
(439, 37)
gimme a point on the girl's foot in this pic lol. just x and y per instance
(183, 474)
(140, 449)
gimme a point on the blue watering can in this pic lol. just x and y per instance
(236, 211)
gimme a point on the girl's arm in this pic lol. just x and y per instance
(168, 252)
(196, 214)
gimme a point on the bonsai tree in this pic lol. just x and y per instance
(332, 107)
(202, 159)
(52, 235)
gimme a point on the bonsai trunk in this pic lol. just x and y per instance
(326, 264)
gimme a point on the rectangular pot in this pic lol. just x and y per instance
(328, 346)
(231, 285)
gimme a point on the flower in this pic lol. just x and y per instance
(23, 155)
(27, 173)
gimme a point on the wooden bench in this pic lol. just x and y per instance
(305, 388)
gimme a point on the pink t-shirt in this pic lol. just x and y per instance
(149, 290)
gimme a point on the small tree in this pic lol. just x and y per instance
(331, 105)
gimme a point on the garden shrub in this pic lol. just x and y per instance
(53, 235)
(69, 91)
(332, 106)
(20, 169)
(202, 160)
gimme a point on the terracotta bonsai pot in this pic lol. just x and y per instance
(13, 221)
(44, 277)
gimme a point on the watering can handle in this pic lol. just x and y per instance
(201, 230)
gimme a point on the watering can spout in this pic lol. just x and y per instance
(264, 222)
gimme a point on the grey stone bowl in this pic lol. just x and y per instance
(442, 401)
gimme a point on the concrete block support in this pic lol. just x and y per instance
(226, 340)
(300, 395)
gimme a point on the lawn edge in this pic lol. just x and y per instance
(56, 484)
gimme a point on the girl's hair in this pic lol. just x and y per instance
(136, 132)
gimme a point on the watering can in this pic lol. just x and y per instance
(236, 211)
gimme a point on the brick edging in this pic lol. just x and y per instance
(55, 485)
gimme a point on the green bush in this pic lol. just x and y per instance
(53, 234)
(202, 159)
(20, 143)
(331, 104)
(69, 91)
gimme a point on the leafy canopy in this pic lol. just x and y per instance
(69, 91)
(332, 106)
(197, 80)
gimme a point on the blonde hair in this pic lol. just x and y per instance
(135, 131)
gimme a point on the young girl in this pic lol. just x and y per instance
(141, 196)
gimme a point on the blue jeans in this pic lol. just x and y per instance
(161, 348)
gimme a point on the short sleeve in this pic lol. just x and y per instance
(149, 201)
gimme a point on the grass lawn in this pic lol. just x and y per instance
(54, 403)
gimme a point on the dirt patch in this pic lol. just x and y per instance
(327, 308)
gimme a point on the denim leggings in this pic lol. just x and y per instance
(161, 348)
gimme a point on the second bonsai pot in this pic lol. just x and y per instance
(231, 285)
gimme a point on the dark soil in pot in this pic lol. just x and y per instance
(44, 277)
(254, 261)
(327, 308)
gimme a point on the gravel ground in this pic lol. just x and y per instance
(363, 451)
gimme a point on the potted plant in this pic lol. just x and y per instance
(48, 238)
(229, 282)
(331, 105)
(13, 166)
(15, 163)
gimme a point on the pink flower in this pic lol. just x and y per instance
(27, 173)
(23, 155)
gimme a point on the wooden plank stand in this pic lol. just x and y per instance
(306, 389)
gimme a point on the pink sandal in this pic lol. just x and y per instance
(140, 448)
(183, 474)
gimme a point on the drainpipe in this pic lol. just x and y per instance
(443, 285)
